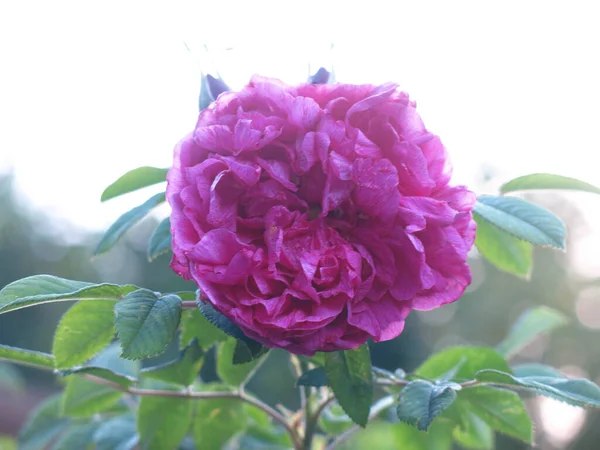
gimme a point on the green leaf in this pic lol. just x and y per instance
(183, 370)
(133, 180)
(462, 363)
(502, 410)
(210, 326)
(547, 181)
(381, 435)
(224, 324)
(187, 444)
(84, 398)
(40, 289)
(160, 241)
(110, 358)
(322, 76)
(318, 359)
(472, 432)
(205, 97)
(349, 374)
(230, 373)
(217, 420)
(313, 377)
(27, 357)
(126, 221)
(77, 436)
(532, 323)
(85, 329)
(503, 250)
(220, 321)
(210, 88)
(163, 422)
(422, 401)
(255, 438)
(10, 378)
(8, 443)
(574, 391)
(522, 219)
(146, 323)
(247, 350)
(109, 366)
(101, 372)
(195, 326)
(536, 370)
(117, 433)
(44, 424)
(407, 437)
(399, 373)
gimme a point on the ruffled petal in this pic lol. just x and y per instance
(318, 217)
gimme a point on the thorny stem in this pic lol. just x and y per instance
(471, 383)
(465, 384)
(296, 364)
(240, 395)
(309, 424)
(311, 417)
(322, 406)
(300, 366)
(387, 382)
(252, 372)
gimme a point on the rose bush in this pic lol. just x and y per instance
(316, 217)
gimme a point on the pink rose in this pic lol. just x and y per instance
(316, 217)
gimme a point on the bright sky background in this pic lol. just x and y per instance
(89, 90)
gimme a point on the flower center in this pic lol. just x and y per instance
(314, 211)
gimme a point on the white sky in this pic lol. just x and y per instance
(89, 90)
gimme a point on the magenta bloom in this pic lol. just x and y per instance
(316, 217)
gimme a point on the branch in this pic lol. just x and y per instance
(464, 384)
(253, 371)
(189, 304)
(295, 363)
(472, 383)
(312, 420)
(386, 382)
(322, 406)
(309, 425)
(240, 395)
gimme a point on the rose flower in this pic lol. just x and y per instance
(316, 217)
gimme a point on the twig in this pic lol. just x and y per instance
(464, 384)
(322, 406)
(295, 362)
(253, 371)
(388, 382)
(313, 419)
(309, 424)
(240, 395)
(189, 305)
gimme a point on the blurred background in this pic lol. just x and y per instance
(89, 90)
